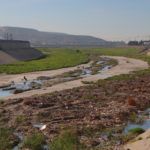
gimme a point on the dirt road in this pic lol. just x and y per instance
(125, 66)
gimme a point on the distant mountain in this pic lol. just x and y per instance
(39, 38)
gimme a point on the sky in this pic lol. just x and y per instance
(108, 19)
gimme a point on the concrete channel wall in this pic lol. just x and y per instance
(15, 51)
(9, 44)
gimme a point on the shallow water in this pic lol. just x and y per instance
(21, 85)
(19, 146)
(38, 125)
(105, 68)
(85, 72)
(5, 93)
(100, 62)
(145, 124)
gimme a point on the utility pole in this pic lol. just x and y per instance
(11, 36)
(7, 36)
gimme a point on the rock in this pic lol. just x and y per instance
(9, 88)
(44, 78)
(131, 102)
(17, 91)
(27, 102)
(16, 102)
(35, 85)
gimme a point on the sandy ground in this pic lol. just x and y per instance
(143, 144)
(148, 53)
(125, 66)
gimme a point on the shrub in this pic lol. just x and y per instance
(67, 139)
(20, 119)
(87, 82)
(1, 102)
(137, 131)
(34, 142)
(5, 142)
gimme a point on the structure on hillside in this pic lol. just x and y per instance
(15, 51)
(139, 43)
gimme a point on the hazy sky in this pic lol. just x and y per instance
(108, 19)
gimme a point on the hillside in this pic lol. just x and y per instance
(39, 38)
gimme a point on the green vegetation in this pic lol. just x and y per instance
(4, 119)
(1, 102)
(116, 51)
(137, 131)
(20, 119)
(57, 58)
(135, 118)
(34, 142)
(140, 138)
(148, 137)
(87, 82)
(67, 139)
(5, 139)
(88, 96)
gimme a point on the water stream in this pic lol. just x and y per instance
(25, 86)
(8, 91)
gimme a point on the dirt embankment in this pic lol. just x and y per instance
(142, 142)
(125, 66)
